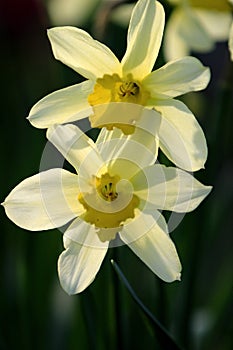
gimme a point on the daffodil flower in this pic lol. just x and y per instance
(75, 12)
(230, 41)
(196, 25)
(117, 188)
(129, 81)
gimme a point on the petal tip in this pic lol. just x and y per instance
(209, 189)
(49, 30)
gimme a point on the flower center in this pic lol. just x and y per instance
(105, 207)
(220, 5)
(112, 88)
(128, 89)
(106, 187)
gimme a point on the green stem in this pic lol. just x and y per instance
(165, 339)
(117, 308)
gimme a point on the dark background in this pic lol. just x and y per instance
(35, 313)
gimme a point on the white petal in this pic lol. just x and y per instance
(80, 262)
(62, 106)
(174, 45)
(154, 246)
(74, 12)
(78, 50)
(139, 148)
(106, 135)
(169, 189)
(231, 42)
(209, 18)
(178, 77)
(194, 33)
(144, 38)
(122, 14)
(76, 147)
(115, 144)
(184, 32)
(43, 201)
(181, 137)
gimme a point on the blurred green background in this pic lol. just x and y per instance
(35, 313)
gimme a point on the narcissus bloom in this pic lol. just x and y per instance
(75, 12)
(117, 188)
(196, 25)
(129, 81)
(230, 41)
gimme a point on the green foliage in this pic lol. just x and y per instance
(35, 312)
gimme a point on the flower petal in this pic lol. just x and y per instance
(174, 46)
(44, 201)
(139, 148)
(154, 246)
(209, 18)
(194, 33)
(62, 106)
(78, 50)
(181, 137)
(144, 38)
(80, 262)
(169, 189)
(77, 148)
(230, 43)
(178, 40)
(177, 78)
(121, 14)
(72, 11)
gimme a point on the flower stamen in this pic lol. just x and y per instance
(107, 93)
(105, 214)
(106, 187)
(128, 88)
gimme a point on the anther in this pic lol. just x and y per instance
(128, 88)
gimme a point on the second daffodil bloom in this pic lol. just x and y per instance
(117, 188)
(129, 81)
(230, 41)
(196, 25)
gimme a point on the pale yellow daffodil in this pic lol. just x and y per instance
(230, 41)
(74, 12)
(196, 25)
(117, 188)
(129, 81)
